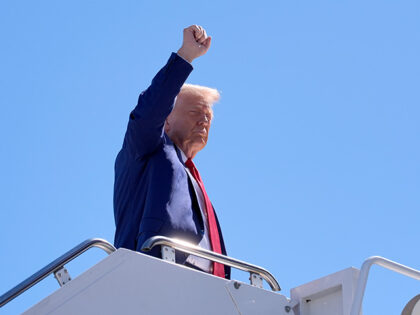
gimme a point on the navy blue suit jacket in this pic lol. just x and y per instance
(153, 194)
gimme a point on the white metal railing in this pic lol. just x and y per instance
(226, 260)
(55, 267)
(364, 273)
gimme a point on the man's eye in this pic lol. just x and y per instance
(200, 114)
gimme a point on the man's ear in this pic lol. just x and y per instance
(167, 125)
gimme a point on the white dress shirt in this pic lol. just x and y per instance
(202, 263)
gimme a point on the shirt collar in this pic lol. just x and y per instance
(183, 156)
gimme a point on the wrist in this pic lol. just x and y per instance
(184, 55)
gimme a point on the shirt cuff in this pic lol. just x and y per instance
(182, 58)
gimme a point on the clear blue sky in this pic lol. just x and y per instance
(313, 161)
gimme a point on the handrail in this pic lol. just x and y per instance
(54, 266)
(364, 272)
(198, 251)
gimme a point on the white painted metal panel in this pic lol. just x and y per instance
(332, 294)
(128, 282)
(251, 300)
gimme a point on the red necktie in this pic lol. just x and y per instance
(218, 269)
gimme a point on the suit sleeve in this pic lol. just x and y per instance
(145, 127)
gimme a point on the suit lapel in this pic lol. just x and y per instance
(194, 197)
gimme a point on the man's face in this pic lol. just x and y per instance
(189, 122)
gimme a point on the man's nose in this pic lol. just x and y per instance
(204, 120)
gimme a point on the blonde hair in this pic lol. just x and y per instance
(209, 94)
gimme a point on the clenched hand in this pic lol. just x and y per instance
(195, 43)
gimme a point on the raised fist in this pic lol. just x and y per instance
(195, 43)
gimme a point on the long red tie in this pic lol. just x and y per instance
(218, 269)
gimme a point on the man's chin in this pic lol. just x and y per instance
(200, 142)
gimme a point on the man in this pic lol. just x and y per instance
(158, 190)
